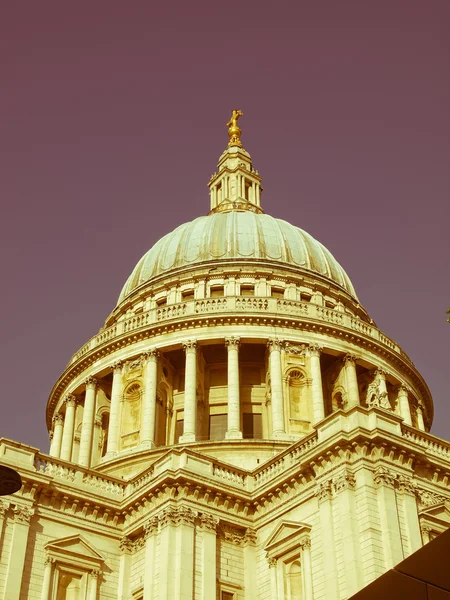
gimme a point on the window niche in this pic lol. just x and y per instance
(73, 570)
(131, 415)
(288, 552)
(298, 401)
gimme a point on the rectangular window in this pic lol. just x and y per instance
(227, 596)
(329, 304)
(187, 295)
(276, 292)
(247, 290)
(217, 427)
(252, 426)
(304, 297)
(216, 291)
(161, 302)
(179, 425)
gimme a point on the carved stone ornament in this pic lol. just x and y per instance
(95, 573)
(91, 382)
(151, 527)
(22, 514)
(209, 522)
(232, 343)
(70, 401)
(297, 350)
(305, 543)
(232, 534)
(272, 562)
(350, 358)
(315, 349)
(406, 485)
(3, 509)
(425, 530)
(323, 491)
(151, 355)
(50, 436)
(186, 516)
(126, 545)
(344, 481)
(48, 560)
(427, 498)
(376, 396)
(382, 476)
(190, 346)
(116, 366)
(274, 344)
(250, 537)
(58, 419)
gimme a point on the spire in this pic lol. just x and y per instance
(236, 185)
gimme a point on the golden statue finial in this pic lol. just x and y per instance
(234, 131)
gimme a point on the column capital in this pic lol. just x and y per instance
(406, 485)
(250, 537)
(48, 560)
(151, 527)
(126, 545)
(420, 408)
(315, 349)
(272, 562)
(380, 373)
(70, 401)
(190, 346)
(91, 383)
(383, 476)
(3, 508)
(403, 390)
(57, 419)
(305, 543)
(232, 343)
(50, 435)
(22, 514)
(116, 366)
(344, 481)
(350, 358)
(323, 491)
(275, 345)
(208, 523)
(95, 573)
(150, 355)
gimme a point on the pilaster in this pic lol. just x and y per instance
(390, 527)
(22, 518)
(208, 528)
(407, 496)
(150, 533)
(324, 496)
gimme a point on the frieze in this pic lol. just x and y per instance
(427, 498)
(232, 534)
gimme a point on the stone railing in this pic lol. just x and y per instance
(432, 445)
(284, 460)
(229, 474)
(238, 304)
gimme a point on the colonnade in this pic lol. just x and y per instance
(64, 426)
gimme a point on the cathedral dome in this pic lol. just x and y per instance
(237, 235)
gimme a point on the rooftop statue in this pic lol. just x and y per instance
(234, 131)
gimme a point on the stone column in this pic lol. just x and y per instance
(47, 578)
(150, 533)
(352, 381)
(126, 548)
(58, 424)
(425, 531)
(403, 404)
(273, 568)
(344, 485)
(250, 561)
(69, 427)
(190, 392)
(167, 552)
(18, 549)
(234, 408)
(87, 426)
(112, 446)
(93, 581)
(149, 399)
(420, 421)
(316, 376)
(324, 495)
(305, 545)
(208, 527)
(390, 528)
(276, 383)
(407, 495)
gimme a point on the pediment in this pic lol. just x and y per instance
(440, 512)
(75, 547)
(286, 533)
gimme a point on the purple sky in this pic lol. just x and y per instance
(112, 118)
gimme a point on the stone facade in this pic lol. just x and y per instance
(240, 429)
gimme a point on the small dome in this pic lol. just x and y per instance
(236, 235)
